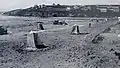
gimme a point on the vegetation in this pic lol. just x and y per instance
(68, 11)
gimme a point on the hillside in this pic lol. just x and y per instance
(68, 11)
(13, 12)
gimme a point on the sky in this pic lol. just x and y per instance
(6, 5)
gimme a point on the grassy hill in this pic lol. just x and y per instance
(68, 11)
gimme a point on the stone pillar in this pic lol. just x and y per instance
(90, 25)
(32, 41)
(75, 30)
(40, 26)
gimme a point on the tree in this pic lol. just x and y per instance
(36, 6)
(53, 4)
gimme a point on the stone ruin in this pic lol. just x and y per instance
(40, 26)
(3, 31)
(75, 30)
(33, 43)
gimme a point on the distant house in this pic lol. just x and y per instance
(114, 8)
(103, 10)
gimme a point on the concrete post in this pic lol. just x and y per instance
(40, 26)
(75, 30)
(32, 41)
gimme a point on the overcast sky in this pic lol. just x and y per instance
(6, 5)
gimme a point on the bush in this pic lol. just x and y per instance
(97, 39)
(107, 30)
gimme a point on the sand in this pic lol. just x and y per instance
(64, 50)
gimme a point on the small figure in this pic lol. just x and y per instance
(106, 19)
(97, 20)
(89, 25)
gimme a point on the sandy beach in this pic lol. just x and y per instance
(64, 50)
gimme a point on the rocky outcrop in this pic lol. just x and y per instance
(2, 31)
